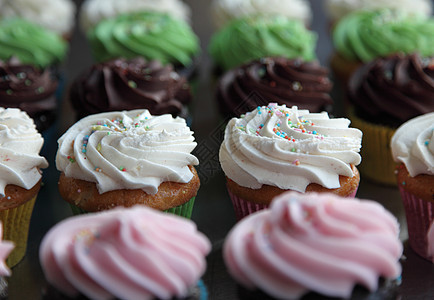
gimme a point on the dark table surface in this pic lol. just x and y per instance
(213, 212)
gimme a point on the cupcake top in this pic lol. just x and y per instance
(289, 148)
(130, 84)
(5, 248)
(225, 11)
(134, 253)
(393, 90)
(127, 150)
(20, 144)
(366, 35)
(30, 89)
(254, 37)
(274, 79)
(152, 35)
(55, 15)
(314, 242)
(30, 43)
(94, 11)
(337, 9)
(413, 145)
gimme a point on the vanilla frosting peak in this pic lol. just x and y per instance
(128, 150)
(289, 148)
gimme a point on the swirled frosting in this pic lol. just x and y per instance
(30, 43)
(393, 90)
(30, 89)
(55, 15)
(225, 11)
(366, 35)
(20, 144)
(5, 248)
(130, 84)
(151, 35)
(254, 37)
(127, 150)
(289, 148)
(94, 11)
(281, 80)
(135, 253)
(314, 242)
(337, 9)
(413, 145)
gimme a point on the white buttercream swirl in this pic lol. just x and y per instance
(94, 11)
(224, 11)
(127, 150)
(55, 15)
(124, 253)
(20, 144)
(289, 148)
(314, 242)
(413, 145)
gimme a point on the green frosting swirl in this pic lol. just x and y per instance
(366, 35)
(151, 35)
(30, 43)
(254, 37)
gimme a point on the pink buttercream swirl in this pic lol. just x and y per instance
(314, 242)
(135, 253)
(5, 248)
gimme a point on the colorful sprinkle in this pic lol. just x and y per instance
(71, 159)
(296, 162)
(40, 90)
(132, 84)
(122, 169)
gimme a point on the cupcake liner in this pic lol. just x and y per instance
(243, 207)
(420, 216)
(377, 163)
(183, 210)
(16, 223)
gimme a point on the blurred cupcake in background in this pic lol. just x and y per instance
(57, 16)
(362, 36)
(224, 11)
(127, 84)
(413, 148)
(383, 94)
(273, 149)
(254, 37)
(274, 79)
(5, 249)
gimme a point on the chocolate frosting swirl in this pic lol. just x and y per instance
(122, 84)
(290, 82)
(393, 90)
(30, 89)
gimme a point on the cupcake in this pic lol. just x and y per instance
(274, 149)
(30, 89)
(125, 253)
(274, 79)
(30, 43)
(5, 248)
(384, 94)
(315, 244)
(57, 16)
(224, 11)
(151, 35)
(20, 178)
(94, 11)
(127, 158)
(253, 37)
(123, 84)
(365, 35)
(413, 148)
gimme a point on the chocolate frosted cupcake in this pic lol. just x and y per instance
(386, 93)
(278, 79)
(30, 89)
(123, 84)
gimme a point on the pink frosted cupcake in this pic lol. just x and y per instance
(317, 243)
(413, 147)
(125, 253)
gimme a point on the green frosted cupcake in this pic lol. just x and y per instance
(30, 43)
(249, 38)
(150, 35)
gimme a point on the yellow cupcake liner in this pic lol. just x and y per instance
(377, 162)
(16, 222)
